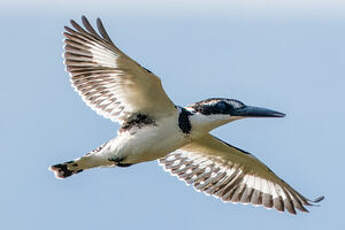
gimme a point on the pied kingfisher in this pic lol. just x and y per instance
(153, 127)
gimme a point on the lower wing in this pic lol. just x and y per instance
(231, 174)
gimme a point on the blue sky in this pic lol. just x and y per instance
(286, 56)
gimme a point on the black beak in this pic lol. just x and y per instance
(251, 111)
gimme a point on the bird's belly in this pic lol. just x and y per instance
(149, 143)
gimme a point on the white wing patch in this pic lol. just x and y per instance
(233, 181)
(103, 56)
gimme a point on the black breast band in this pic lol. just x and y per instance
(184, 122)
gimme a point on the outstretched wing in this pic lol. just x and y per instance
(110, 82)
(231, 174)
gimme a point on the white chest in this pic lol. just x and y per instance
(150, 142)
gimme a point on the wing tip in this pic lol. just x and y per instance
(84, 18)
(99, 21)
(315, 201)
(318, 199)
(74, 23)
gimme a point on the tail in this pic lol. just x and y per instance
(65, 169)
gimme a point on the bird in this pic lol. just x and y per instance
(152, 127)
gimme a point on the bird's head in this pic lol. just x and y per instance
(214, 112)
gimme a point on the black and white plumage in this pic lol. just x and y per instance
(231, 174)
(152, 127)
(108, 80)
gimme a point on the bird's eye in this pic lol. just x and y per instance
(222, 105)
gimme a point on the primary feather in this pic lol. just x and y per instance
(110, 82)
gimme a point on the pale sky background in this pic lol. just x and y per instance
(284, 55)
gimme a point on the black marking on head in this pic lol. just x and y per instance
(216, 106)
(184, 122)
(137, 121)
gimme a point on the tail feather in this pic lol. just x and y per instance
(65, 169)
(93, 159)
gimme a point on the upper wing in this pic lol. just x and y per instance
(231, 174)
(110, 82)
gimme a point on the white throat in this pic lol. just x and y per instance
(205, 123)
